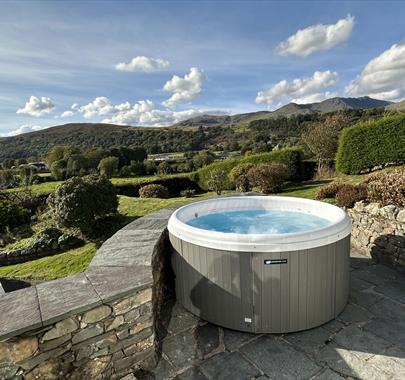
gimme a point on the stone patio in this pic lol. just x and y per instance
(366, 341)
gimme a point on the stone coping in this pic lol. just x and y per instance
(122, 265)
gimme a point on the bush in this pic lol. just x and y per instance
(8, 179)
(292, 158)
(174, 186)
(348, 195)
(239, 176)
(188, 193)
(268, 178)
(330, 190)
(58, 170)
(217, 180)
(387, 188)
(372, 143)
(12, 215)
(153, 191)
(81, 201)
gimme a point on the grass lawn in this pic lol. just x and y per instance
(52, 267)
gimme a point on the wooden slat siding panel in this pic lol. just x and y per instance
(342, 274)
(245, 289)
(331, 281)
(235, 282)
(226, 275)
(285, 291)
(293, 265)
(275, 284)
(302, 288)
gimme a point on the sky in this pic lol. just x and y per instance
(154, 63)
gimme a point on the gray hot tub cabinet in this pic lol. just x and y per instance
(274, 292)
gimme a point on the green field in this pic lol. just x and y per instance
(52, 267)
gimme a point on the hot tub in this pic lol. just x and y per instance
(261, 264)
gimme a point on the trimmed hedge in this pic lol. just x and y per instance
(371, 143)
(292, 158)
(174, 185)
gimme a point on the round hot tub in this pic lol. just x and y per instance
(261, 264)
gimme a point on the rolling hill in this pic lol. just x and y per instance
(281, 125)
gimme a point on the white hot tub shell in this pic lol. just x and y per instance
(262, 283)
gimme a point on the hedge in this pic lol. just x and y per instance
(290, 157)
(371, 143)
(174, 185)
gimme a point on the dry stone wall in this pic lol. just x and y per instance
(100, 324)
(379, 232)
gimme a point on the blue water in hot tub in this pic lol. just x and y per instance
(259, 222)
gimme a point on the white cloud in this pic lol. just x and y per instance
(383, 77)
(317, 37)
(99, 106)
(142, 63)
(185, 89)
(22, 129)
(67, 114)
(303, 90)
(74, 106)
(37, 106)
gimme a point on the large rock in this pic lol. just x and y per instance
(401, 216)
(389, 212)
(15, 351)
(96, 314)
(61, 328)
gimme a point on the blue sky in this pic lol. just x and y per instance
(226, 56)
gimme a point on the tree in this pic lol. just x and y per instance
(61, 152)
(217, 180)
(26, 173)
(58, 170)
(321, 138)
(81, 201)
(108, 166)
(203, 159)
(77, 164)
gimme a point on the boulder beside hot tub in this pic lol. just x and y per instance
(262, 289)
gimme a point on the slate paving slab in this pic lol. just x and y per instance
(354, 314)
(309, 341)
(347, 363)
(363, 342)
(327, 374)
(207, 337)
(392, 289)
(229, 365)
(393, 332)
(181, 349)
(279, 359)
(191, 374)
(390, 310)
(234, 339)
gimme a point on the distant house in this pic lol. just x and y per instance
(40, 166)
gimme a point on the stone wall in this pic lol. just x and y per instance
(100, 324)
(379, 232)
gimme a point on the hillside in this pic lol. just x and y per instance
(396, 106)
(291, 109)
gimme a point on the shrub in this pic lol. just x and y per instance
(330, 190)
(268, 178)
(81, 201)
(188, 193)
(164, 168)
(108, 166)
(292, 158)
(372, 143)
(387, 188)
(239, 176)
(12, 215)
(174, 186)
(153, 191)
(217, 181)
(348, 195)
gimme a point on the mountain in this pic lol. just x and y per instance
(291, 109)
